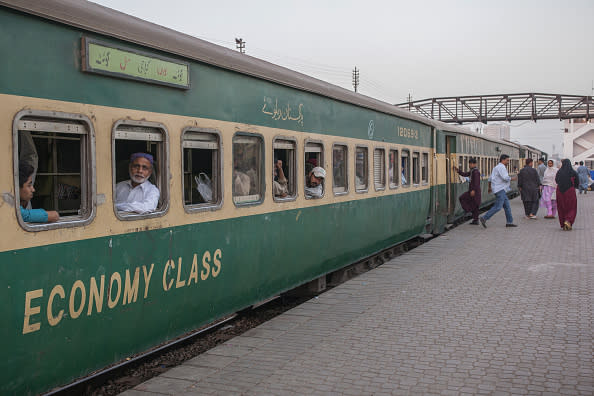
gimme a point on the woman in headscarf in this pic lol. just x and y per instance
(567, 182)
(548, 197)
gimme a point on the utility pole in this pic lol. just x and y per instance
(355, 78)
(240, 44)
(409, 102)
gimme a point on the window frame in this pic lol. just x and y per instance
(366, 189)
(482, 167)
(164, 169)
(382, 187)
(397, 169)
(261, 169)
(291, 178)
(346, 177)
(322, 160)
(87, 159)
(193, 208)
(425, 155)
(408, 175)
(416, 182)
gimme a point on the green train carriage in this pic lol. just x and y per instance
(101, 285)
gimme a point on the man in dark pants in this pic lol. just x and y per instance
(529, 186)
(499, 184)
(471, 200)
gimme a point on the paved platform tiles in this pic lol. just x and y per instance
(496, 311)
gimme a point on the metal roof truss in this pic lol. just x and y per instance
(507, 107)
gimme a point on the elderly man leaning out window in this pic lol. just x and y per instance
(138, 194)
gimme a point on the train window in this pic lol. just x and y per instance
(247, 169)
(461, 163)
(393, 169)
(140, 169)
(361, 169)
(405, 166)
(425, 168)
(339, 169)
(379, 168)
(284, 168)
(201, 164)
(314, 157)
(416, 168)
(59, 148)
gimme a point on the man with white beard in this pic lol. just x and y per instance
(138, 194)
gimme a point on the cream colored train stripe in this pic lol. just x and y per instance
(106, 223)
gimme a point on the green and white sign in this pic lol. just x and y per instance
(108, 59)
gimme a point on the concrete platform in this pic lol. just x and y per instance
(493, 311)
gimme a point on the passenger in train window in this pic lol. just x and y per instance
(26, 191)
(280, 183)
(314, 183)
(138, 194)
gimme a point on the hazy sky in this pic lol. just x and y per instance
(423, 48)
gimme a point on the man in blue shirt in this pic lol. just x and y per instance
(499, 185)
(583, 174)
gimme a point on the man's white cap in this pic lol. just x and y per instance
(319, 172)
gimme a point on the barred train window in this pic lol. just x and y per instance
(201, 169)
(285, 156)
(145, 138)
(361, 169)
(247, 169)
(314, 156)
(60, 148)
(393, 173)
(405, 166)
(379, 168)
(416, 168)
(339, 168)
(425, 168)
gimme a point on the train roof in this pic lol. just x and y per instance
(463, 131)
(106, 21)
(109, 22)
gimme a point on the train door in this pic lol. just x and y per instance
(450, 162)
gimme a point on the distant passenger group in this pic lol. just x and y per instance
(547, 186)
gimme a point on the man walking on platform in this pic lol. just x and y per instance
(529, 186)
(541, 168)
(499, 185)
(471, 200)
(583, 174)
